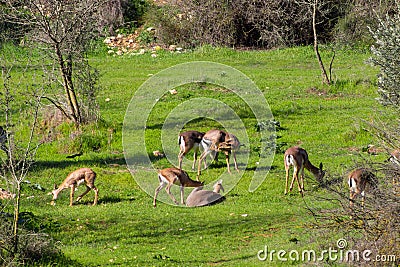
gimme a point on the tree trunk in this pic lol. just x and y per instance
(325, 78)
(16, 217)
(66, 73)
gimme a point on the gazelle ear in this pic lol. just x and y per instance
(55, 187)
(222, 188)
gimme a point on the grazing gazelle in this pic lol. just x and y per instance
(298, 158)
(187, 141)
(230, 146)
(359, 181)
(199, 197)
(73, 180)
(217, 140)
(169, 176)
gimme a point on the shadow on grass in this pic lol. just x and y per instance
(77, 162)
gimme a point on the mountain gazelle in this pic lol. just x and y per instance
(187, 141)
(199, 197)
(230, 146)
(215, 141)
(73, 180)
(169, 176)
(359, 181)
(298, 158)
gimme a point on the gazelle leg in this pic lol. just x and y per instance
(158, 189)
(287, 179)
(96, 195)
(196, 150)
(362, 199)
(180, 158)
(71, 195)
(295, 174)
(302, 179)
(227, 162)
(84, 193)
(234, 160)
(168, 189)
(351, 197)
(298, 184)
(182, 195)
(203, 155)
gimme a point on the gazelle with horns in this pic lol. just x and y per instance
(169, 176)
(298, 158)
(73, 180)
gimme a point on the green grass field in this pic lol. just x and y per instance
(125, 230)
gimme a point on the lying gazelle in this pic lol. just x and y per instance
(359, 181)
(298, 158)
(169, 176)
(187, 141)
(73, 180)
(217, 140)
(199, 197)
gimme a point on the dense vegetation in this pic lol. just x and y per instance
(124, 226)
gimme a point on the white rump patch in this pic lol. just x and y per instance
(182, 142)
(352, 185)
(289, 160)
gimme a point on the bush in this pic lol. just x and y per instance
(92, 137)
(352, 28)
(257, 23)
(374, 226)
(32, 246)
(386, 51)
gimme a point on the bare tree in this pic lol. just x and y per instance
(63, 30)
(20, 154)
(325, 77)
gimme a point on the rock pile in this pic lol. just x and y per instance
(130, 44)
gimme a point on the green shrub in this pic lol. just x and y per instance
(33, 246)
(386, 51)
(352, 28)
(243, 23)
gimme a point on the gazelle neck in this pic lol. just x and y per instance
(192, 183)
(313, 169)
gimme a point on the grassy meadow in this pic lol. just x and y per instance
(125, 230)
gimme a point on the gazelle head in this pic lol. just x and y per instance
(321, 173)
(224, 146)
(54, 193)
(218, 187)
